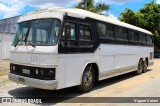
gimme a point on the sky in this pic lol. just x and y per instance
(10, 8)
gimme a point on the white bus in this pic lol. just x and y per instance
(60, 48)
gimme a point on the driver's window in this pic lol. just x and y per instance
(69, 35)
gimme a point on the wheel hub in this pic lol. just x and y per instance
(88, 79)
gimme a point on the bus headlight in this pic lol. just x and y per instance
(51, 73)
(45, 73)
(13, 68)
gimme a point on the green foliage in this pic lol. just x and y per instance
(90, 6)
(148, 18)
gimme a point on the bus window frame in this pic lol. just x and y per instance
(65, 49)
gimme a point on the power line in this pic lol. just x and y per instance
(115, 11)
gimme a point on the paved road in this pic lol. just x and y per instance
(128, 85)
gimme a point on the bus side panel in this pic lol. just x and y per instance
(119, 59)
(72, 67)
(147, 52)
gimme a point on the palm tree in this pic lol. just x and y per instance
(90, 6)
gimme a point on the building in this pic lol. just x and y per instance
(7, 30)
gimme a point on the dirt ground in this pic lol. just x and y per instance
(4, 67)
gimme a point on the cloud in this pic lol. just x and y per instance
(47, 3)
(112, 16)
(10, 8)
(158, 2)
(122, 1)
(117, 1)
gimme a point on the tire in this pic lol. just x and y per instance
(139, 68)
(144, 66)
(88, 80)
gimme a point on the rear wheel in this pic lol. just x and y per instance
(88, 79)
(144, 66)
(140, 67)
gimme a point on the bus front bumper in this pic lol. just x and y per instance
(42, 84)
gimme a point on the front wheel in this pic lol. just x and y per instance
(88, 79)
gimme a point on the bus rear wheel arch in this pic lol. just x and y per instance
(142, 66)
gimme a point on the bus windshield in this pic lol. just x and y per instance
(40, 32)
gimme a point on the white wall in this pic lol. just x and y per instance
(6, 41)
(7, 30)
(0, 47)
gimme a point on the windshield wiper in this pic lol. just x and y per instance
(19, 40)
(30, 43)
(27, 40)
(26, 37)
(22, 38)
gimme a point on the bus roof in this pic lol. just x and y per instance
(79, 13)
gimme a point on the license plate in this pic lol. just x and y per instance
(25, 71)
(21, 79)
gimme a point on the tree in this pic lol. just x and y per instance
(92, 7)
(148, 18)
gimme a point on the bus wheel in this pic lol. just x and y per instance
(139, 68)
(88, 79)
(145, 66)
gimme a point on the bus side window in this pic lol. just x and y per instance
(124, 34)
(69, 35)
(136, 38)
(142, 37)
(121, 33)
(110, 32)
(133, 36)
(102, 30)
(149, 39)
(105, 31)
(85, 37)
(118, 32)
